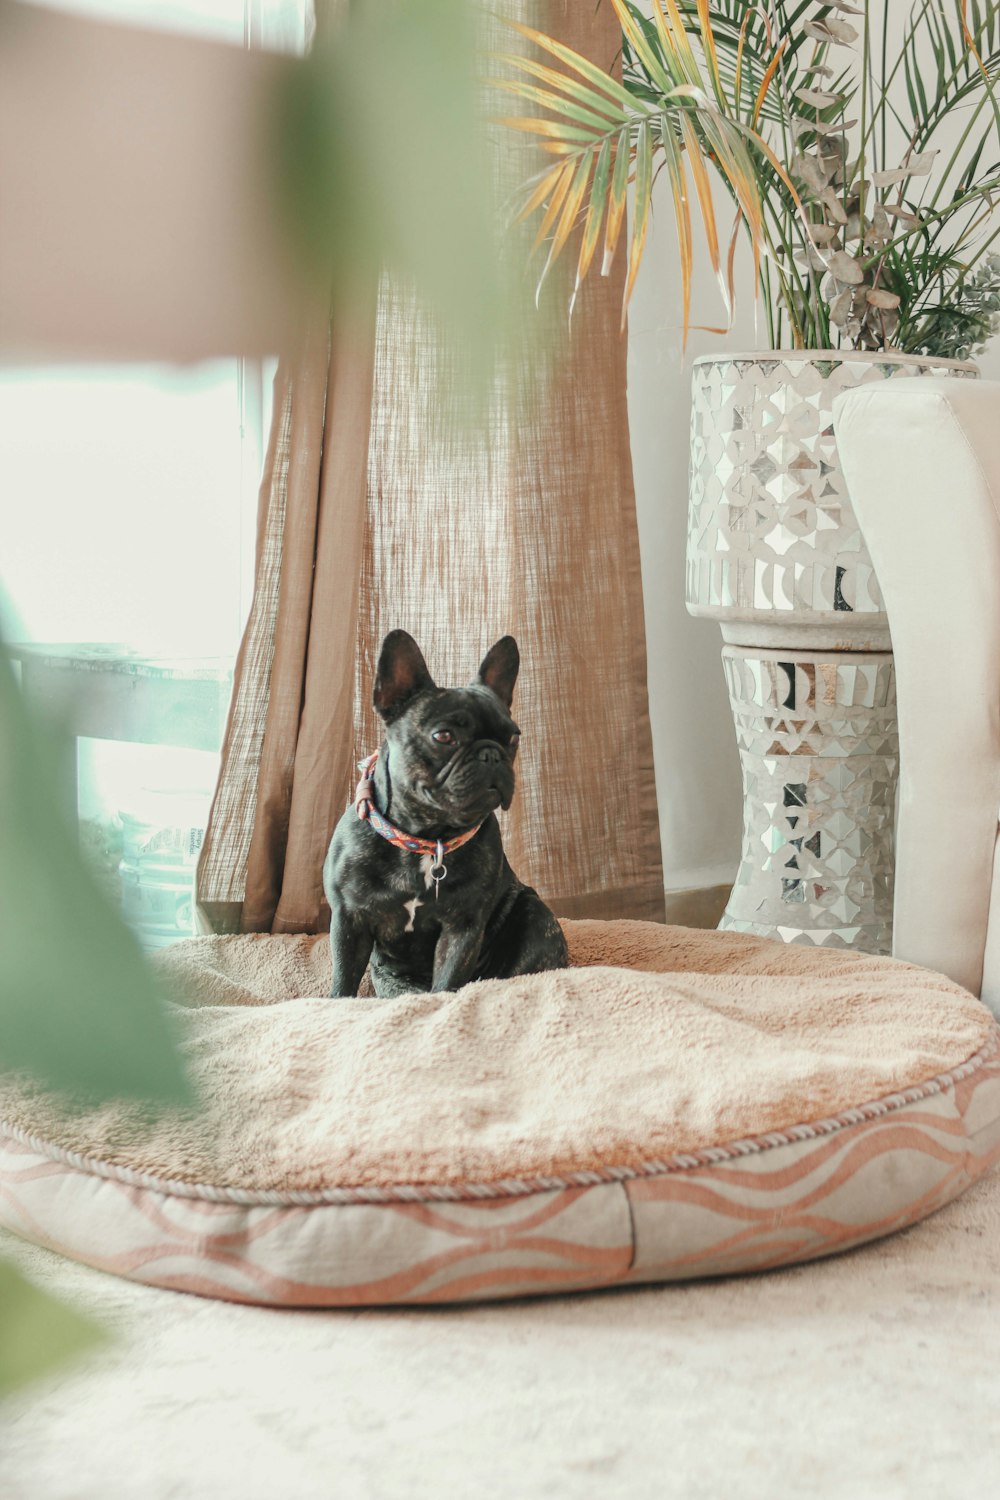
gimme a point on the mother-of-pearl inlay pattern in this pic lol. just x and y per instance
(775, 555)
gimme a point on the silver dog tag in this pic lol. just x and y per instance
(438, 869)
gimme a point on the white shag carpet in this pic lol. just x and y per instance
(871, 1376)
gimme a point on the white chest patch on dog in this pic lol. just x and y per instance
(411, 907)
(426, 865)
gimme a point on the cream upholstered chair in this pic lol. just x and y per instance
(922, 461)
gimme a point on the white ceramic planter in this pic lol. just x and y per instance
(776, 556)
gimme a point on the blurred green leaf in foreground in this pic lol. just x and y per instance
(38, 1331)
(80, 1009)
(383, 159)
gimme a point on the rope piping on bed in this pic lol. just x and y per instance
(984, 1061)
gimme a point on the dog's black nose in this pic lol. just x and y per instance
(489, 755)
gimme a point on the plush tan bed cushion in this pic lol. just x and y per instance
(681, 1040)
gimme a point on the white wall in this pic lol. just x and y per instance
(697, 766)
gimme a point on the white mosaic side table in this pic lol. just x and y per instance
(820, 755)
(776, 557)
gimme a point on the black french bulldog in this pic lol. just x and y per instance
(416, 876)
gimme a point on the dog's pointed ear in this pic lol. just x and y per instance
(400, 675)
(500, 667)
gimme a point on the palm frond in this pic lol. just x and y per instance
(640, 221)
(682, 213)
(595, 215)
(602, 132)
(960, 45)
(755, 96)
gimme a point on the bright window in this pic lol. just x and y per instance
(127, 527)
(122, 506)
(127, 517)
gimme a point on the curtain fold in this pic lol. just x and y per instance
(276, 784)
(376, 514)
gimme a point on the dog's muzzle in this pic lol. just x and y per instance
(484, 767)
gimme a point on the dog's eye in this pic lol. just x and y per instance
(514, 741)
(443, 736)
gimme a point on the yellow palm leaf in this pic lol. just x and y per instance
(555, 129)
(572, 199)
(737, 166)
(682, 216)
(586, 69)
(571, 207)
(595, 214)
(602, 130)
(541, 192)
(616, 201)
(759, 144)
(642, 48)
(704, 190)
(740, 49)
(643, 186)
(673, 35)
(590, 97)
(734, 240)
(550, 100)
(708, 42)
(556, 200)
(766, 82)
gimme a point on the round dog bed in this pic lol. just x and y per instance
(679, 1104)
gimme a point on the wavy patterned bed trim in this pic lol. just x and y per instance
(512, 1187)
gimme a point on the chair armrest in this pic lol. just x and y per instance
(922, 462)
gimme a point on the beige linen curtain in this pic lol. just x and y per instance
(374, 515)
